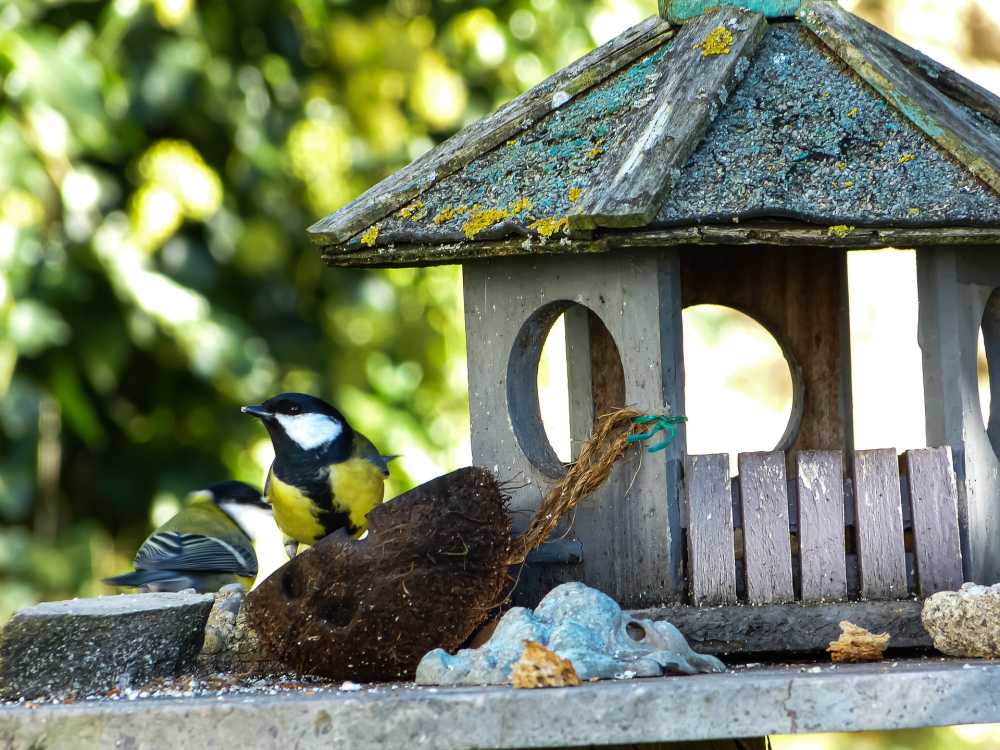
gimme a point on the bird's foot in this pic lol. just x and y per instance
(291, 549)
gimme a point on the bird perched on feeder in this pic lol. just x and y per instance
(325, 475)
(205, 546)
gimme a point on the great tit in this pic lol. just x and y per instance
(325, 475)
(205, 546)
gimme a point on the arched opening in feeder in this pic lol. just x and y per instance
(563, 372)
(742, 392)
(988, 369)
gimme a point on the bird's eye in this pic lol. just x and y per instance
(293, 409)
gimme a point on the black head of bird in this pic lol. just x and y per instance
(325, 475)
(303, 424)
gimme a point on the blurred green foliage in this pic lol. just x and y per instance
(159, 163)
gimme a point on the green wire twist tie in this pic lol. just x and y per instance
(660, 423)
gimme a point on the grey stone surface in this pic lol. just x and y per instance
(750, 703)
(85, 645)
(231, 644)
(965, 622)
(580, 624)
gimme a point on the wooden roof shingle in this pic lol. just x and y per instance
(693, 131)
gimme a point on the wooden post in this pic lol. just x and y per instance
(954, 286)
(630, 529)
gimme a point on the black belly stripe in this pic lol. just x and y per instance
(315, 484)
(331, 520)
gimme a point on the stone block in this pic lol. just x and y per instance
(965, 622)
(84, 646)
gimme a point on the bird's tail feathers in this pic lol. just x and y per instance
(141, 577)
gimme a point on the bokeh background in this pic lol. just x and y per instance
(159, 162)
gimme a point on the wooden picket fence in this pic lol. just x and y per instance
(888, 530)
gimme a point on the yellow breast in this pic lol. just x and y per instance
(358, 486)
(294, 512)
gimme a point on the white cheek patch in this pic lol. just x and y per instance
(250, 518)
(310, 430)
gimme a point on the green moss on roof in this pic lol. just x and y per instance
(543, 171)
(804, 137)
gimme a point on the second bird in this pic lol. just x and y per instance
(325, 475)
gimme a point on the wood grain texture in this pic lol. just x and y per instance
(774, 628)
(693, 85)
(476, 139)
(801, 299)
(859, 45)
(879, 524)
(949, 82)
(868, 238)
(767, 548)
(822, 552)
(629, 528)
(934, 500)
(711, 555)
(954, 303)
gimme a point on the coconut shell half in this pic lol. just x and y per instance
(433, 565)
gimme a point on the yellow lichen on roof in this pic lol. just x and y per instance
(718, 42)
(522, 204)
(839, 230)
(853, 112)
(595, 152)
(415, 210)
(369, 236)
(483, 218)
(448, 213)
(574, 194)
(906, 158)
(548, 227)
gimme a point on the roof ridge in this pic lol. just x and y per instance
(705, 62)
(861, 46)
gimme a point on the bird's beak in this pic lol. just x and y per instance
(257, 411)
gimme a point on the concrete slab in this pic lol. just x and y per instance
(748, 702)
(86, 645)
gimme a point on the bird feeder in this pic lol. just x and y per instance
(731, 155)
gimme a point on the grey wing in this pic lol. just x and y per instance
(172, 550)
(369, 452)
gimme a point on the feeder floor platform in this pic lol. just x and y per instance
(748, 701)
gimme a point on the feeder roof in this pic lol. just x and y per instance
(727, 128)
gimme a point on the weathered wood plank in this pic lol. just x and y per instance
(934, 499)
(953, 306)
(879, 524)
(803, 627)
(745, 234)
(632, 549)
(479, 137)
(822, 552)
(711, 554)
(695, 79)
(949, 82)
(766, 539)
(679, 11)
(855, 42)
